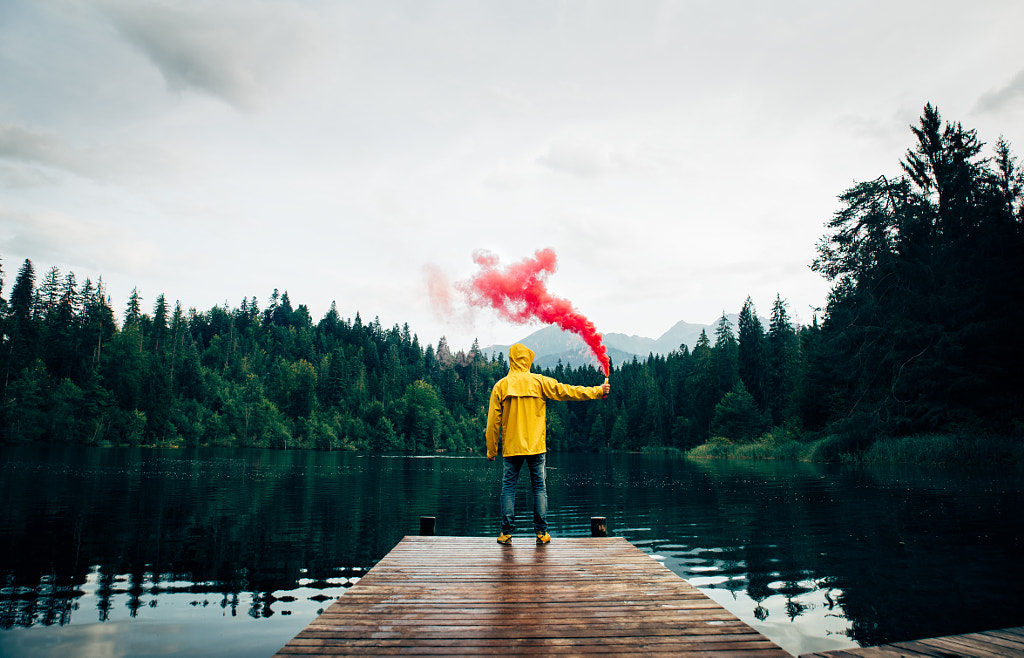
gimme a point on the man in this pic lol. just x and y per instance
(517, 412)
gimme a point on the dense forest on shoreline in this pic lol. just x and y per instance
(918, 336)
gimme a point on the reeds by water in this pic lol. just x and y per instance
(920, 449)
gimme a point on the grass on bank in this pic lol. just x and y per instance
(921, 449)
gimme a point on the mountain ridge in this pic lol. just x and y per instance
(551, 344)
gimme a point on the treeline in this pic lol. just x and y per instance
(230, 376)
(919, 335)
(272, 378)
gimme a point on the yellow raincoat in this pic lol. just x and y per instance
(518, 406)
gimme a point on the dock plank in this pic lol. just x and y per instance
(470, 595)
(1004, 643)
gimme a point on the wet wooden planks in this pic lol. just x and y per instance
(1005, 643)
(471, 595)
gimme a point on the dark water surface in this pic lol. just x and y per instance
(126, 552)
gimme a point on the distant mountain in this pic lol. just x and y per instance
(629, 344)
(686, 333)
(551, 344)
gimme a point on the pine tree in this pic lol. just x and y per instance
(63, 332)
(20, 328)
(738, 416)
(726, 355)
(49, 294)
(752, 354)
(133, 312)
(783, 363)
(98, 325)
(23, 292)
(703, 381)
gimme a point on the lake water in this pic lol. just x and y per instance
(124, 552)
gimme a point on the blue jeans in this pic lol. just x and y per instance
(510, 475)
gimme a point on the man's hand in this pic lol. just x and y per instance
(606, 387)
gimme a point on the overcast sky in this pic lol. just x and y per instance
(678, 156)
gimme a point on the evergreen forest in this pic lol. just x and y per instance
(919, 335)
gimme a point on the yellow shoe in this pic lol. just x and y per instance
(542, 539)
(505, 539)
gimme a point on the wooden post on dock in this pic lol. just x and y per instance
(427, 526)
(598, 526)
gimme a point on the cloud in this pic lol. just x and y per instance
(55, 237)
(25, 146)
(510, 101)
(998, 99)
(230, 50)
(24, 177)
(585, 158)
(36, 158)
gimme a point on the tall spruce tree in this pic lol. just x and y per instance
(783, 363)
(49, 294)
(727, 355)
(703, 381)
(23, 291)
(752, 354)
(133, 311)
(22, 332)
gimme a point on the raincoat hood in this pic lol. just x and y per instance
(520, 381)
(520, 358)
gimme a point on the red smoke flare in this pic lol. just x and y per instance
(520, 295)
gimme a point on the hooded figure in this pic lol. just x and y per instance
(517, 413)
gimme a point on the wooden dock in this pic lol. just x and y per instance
(1007, 643)
(471, 595)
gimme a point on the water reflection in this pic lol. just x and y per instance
(243, 548)
(815, 557)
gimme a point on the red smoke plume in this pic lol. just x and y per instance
(519, 294)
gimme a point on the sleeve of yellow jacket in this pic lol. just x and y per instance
(517, 411)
